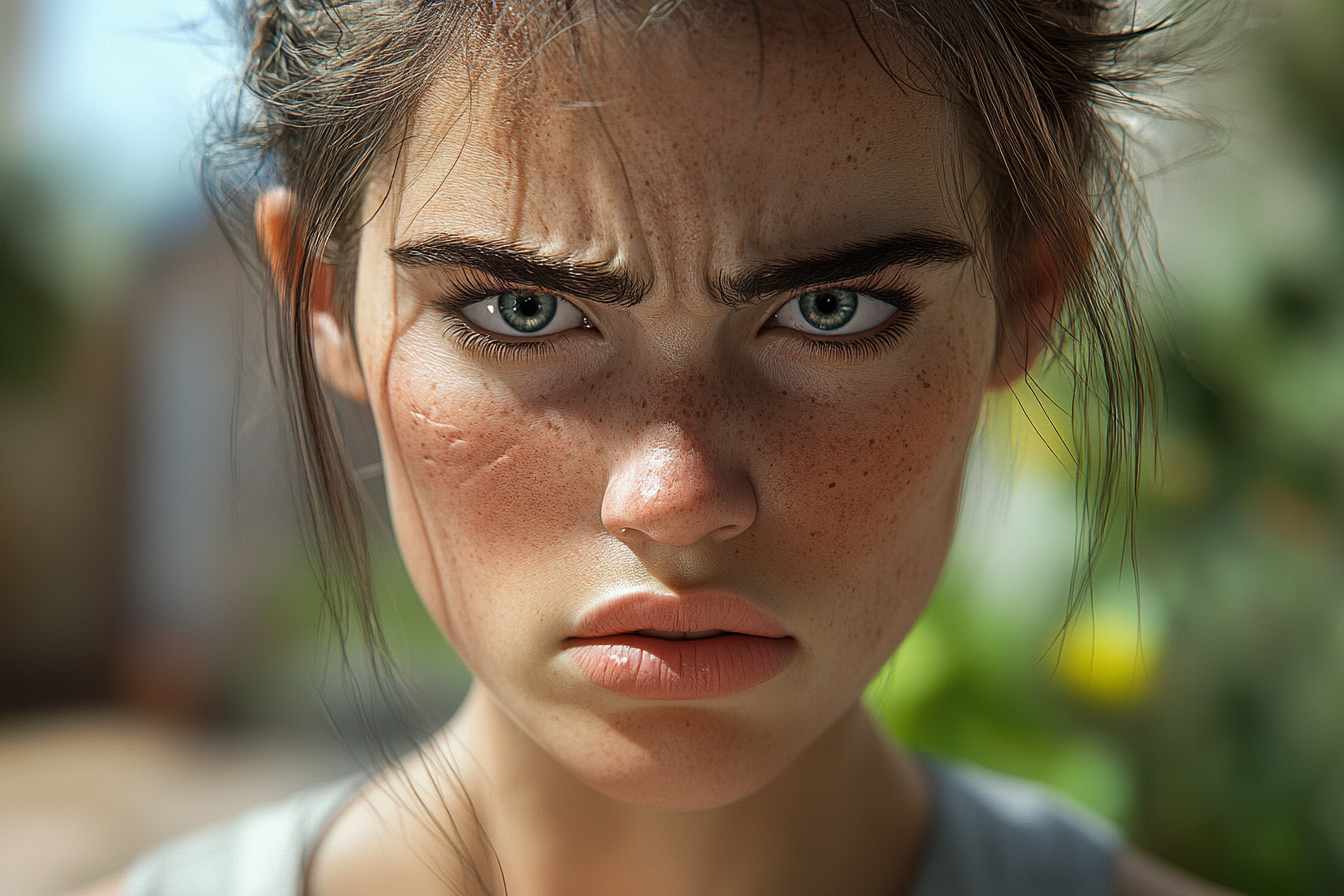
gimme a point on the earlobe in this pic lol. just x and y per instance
(1028, 318)
(334, 349)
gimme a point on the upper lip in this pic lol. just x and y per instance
(692, 611)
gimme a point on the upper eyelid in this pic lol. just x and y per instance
(480, 285)
(880, 287)
(455, 298)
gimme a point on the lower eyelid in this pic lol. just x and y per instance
(489, 311)
(495, 345)
(791, 309)
(469, 337)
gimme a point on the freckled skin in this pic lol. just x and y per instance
(677, 443)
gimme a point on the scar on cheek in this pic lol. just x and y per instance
(430, 418)
(446, 444)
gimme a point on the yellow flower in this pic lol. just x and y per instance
(1104, 662)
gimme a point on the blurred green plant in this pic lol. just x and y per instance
(33, 320)
(293, 651)
(1203, 712)
(1217, 740)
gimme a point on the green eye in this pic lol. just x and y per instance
(524, 314)
(829, 309)
(834, 312)
(527, 313)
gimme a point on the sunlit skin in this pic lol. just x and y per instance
(697, 434)
(680, 442)
(677, 443)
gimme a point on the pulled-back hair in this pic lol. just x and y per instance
(1037, 90)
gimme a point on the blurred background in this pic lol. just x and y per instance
(162, 661)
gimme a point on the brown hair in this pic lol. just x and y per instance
(1035, 87)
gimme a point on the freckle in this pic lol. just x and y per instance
(865, 472)
(832, 485)
(872, 442)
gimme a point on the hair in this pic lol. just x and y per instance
(1038, 90)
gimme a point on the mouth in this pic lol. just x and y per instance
(680, 636)
(690, 646)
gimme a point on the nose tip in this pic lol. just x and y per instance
(676, 495)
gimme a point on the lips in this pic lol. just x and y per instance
(691, 646)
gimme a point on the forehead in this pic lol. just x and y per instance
(731, 138)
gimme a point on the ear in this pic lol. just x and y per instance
(334, 347)
(1028, 317)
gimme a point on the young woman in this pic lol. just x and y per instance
(676, 322)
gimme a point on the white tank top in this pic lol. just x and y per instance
(990, 835)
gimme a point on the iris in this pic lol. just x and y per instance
(829, 309)
(527, 313)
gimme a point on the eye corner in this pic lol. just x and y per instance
(839, 311)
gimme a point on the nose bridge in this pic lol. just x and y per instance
(676, 482)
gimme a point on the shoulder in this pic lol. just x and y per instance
(260, 853)
(1137, 874)
(994, 833)
(108, 886)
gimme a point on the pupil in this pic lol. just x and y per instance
(530, 313)
(829, 310)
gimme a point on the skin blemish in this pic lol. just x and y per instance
(677, 446)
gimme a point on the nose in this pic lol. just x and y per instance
(674, 491)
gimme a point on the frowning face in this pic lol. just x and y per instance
(674, 364)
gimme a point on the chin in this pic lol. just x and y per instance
(678, 759)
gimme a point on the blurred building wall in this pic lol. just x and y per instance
(12, 14)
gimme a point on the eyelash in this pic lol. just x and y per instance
(475, 341)
(478, 288)
(905, 299)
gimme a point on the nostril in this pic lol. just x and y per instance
(677, 495)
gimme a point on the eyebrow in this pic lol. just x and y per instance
(910, 249)
(512, 263)
(611, 284)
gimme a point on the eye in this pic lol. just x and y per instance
(523, 314)
(834, 312)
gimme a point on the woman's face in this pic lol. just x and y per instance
(674, 366)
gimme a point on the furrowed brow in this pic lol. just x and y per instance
(915, 248)
(524, 266)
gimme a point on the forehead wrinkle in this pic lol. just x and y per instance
(697, 202)
(442, 117)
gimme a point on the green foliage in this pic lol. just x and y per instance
(1225, 753)
(33, 322)
(293, 649)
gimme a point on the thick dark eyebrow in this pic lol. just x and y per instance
(516, 264)
(910, 249)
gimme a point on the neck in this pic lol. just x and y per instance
(848, 816)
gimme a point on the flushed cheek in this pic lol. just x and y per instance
(860, 501)
(502, 493)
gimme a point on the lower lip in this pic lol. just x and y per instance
(647, 668)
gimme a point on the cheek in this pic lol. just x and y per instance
(497, 491)
(864, 485)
